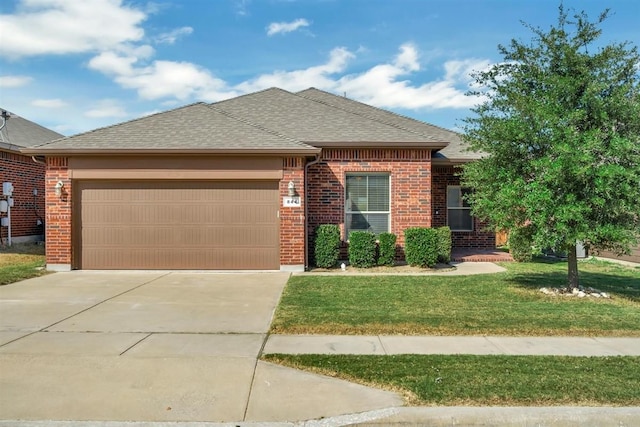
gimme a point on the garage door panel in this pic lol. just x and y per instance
(169, 259)
(179, 225)
(207, 236)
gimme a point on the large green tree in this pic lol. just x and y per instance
(560, 129)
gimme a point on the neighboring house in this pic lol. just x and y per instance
(243, 183)
(27, 176)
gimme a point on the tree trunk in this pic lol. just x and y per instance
(573, 267)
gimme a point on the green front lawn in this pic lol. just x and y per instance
(20, 262)
(486, 380)
(507, 303)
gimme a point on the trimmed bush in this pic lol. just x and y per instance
(444, 244)
(421, 246)
(362, 249)
(387, 249)
(520, 245)
(327, 245)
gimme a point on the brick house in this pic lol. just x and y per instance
(243, 183)
(26, 174)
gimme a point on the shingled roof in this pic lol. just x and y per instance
(320, 124)
(272, 121)
(455, 150)
(19, 133)
(194, 128)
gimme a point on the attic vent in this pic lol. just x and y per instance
(375, 154)
(292, 163)
(60, 162)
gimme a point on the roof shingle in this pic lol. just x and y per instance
(19, 133)
(195, 127)
(314, 122)
(456, 149)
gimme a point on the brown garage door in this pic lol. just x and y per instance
(177, 225)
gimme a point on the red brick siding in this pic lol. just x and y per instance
(25, 175)
(479, 237)
(410, 180)
(58, 234)
(292, 219)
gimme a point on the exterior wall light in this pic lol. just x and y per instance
(292, 189)
(58, 188)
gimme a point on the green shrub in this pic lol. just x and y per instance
(520, 245)
(327, 245)
(362, 249)
(387, 249)
(444, 244)
(421, 246)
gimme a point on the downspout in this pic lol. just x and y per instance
(306, 208)
(37, 161)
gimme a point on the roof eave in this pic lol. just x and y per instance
(452, 161)
(12, 148)
(185, 152)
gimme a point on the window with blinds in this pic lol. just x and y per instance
(367, 203)
(458, 210)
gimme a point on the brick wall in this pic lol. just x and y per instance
(479, 237)
(292, 218)
(26, 176)
(410, 180)
(58, 219)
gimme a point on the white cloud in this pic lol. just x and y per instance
(49, 103)
(14, 81)
(318, 76)
(106, 108)
(286, 27)
(387, 85)
(172, 36)
(242, 7)
(43, 27)
(161, 79)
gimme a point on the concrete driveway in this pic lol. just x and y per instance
(156, 346)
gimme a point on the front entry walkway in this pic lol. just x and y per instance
(479, 255)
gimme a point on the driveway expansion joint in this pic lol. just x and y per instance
(45, 329)
(135, 344)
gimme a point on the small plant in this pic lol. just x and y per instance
(327, 245)
(444, 244)
(362, 249)
(387, 249)
(421, 246)
(520, 245)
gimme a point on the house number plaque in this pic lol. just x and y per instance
(291, 202)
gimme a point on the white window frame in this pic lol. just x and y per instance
(463, 208)
(347, 205)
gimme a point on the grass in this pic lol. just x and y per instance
(20, 262)
(507, 303)
(486, 380)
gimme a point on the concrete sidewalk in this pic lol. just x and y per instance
(399, 344)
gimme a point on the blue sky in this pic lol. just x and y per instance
(75, 65)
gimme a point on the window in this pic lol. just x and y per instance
(367, 203)
(458, 210)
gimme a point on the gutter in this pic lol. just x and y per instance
(172, 152)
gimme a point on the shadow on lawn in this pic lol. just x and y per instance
(547, 272)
